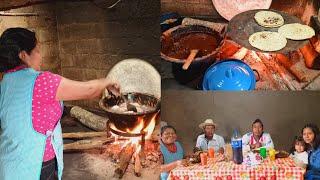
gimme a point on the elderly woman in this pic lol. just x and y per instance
(311, 135)
(209, 139)
(171, 150)
(31, 107)
(257, 138)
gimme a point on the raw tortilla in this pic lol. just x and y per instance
(267, 41)
(296, 31)
(269, 19)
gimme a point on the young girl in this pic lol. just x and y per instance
(298, 151)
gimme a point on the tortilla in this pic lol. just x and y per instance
(269, 19)
(267, 41)
(296, 31)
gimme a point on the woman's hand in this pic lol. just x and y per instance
(113, 87)
(182, 162)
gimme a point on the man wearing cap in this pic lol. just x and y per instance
(209, 139)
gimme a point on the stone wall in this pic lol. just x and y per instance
(45, 26)
(93, 39)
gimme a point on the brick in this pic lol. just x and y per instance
(73, 73)
(67, 47)
(66, 60)
(46, 35)
(51, 62)
(90, 46)
(49, 49)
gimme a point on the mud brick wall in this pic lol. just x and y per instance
(93, 39)
(45, 27)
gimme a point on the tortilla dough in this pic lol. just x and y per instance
(267, 41)
(296, 31)
(269, 19)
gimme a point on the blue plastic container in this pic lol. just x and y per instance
(229, 75)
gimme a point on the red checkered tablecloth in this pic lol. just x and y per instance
(280, 169)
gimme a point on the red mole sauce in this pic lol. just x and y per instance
(180, 48)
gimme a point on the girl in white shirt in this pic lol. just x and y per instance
(298, 151)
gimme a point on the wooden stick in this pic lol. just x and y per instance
(288, 64)
(17, 14)
(310, 55)
(80, 135)
(124, 160)
(190, 58)
(219, 27)
(88, 143)
(137, 166)
(282, 71)
(93, 121)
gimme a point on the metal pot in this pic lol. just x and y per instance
(191, 77)
(124, 121)
(230, 75)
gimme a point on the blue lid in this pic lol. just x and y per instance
(229, 75)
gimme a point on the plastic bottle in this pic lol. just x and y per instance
(236, 143)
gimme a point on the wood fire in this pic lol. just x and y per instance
(134, 148)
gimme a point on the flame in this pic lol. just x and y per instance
(137, 130)
(149, 129)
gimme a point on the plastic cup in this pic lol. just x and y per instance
(204, 159)
(211, 152)
(272, 154)
(263, 152)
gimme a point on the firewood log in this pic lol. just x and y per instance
(137, 166)
(80, 135)
(93, 121)
(124, 160)
(88, 143)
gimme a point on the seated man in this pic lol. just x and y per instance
(209, 139)
(257, 138)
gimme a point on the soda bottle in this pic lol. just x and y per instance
(236, 143)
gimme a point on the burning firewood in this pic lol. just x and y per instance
(93, 121)
(88, 143)
(137, 166)
(81, 135)
(124, 160)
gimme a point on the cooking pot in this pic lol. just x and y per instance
(230, 75)
(124, 120)
(194, 74)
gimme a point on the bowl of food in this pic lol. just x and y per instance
(124, 111)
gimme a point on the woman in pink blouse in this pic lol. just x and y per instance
(23, 82)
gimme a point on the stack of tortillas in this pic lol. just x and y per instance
(135, 75)
(274, 41)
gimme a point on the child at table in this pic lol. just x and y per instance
(298, 152)
(171, 150)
